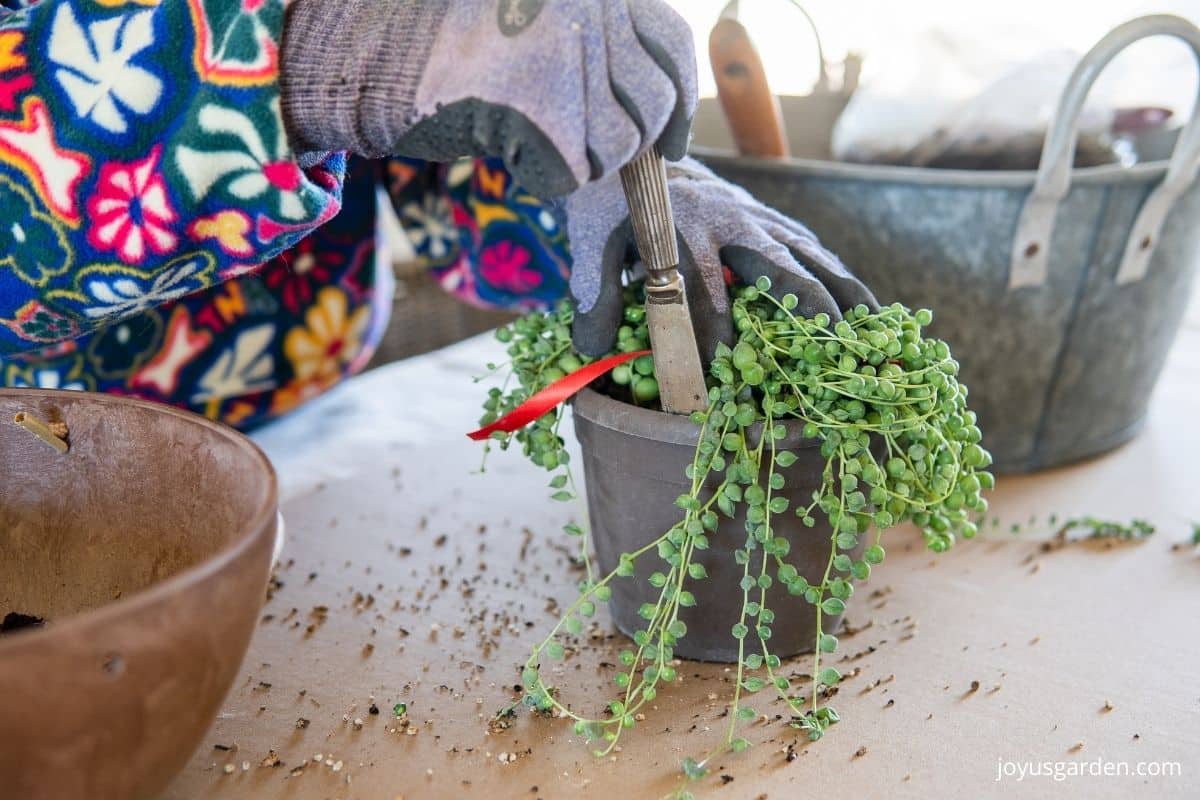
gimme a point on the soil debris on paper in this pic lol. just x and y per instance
(438, 603)
(15, 621)
(1106, 533)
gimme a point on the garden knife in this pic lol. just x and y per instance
(672, 338)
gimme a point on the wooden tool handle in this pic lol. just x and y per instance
(750, 108)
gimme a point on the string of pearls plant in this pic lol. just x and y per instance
(899, 445)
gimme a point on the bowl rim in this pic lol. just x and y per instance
(259, 525)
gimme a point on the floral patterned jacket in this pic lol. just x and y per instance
(159, 239)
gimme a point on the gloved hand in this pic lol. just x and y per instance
(566, 91)
(718, 224)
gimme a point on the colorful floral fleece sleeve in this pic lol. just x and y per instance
(158, 238)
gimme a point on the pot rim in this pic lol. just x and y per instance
(659, 426)
(260, 524)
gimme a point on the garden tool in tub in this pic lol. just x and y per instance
(676, 355)
(751, 108)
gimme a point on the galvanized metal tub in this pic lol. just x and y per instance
(1059, 291)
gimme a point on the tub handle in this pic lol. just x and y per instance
(1035, 227)
(733, 8)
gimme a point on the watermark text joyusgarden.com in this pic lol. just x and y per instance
(1096, 768)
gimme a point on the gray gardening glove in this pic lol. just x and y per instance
(566, 91)
(718, 224)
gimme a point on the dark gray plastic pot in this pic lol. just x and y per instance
(634, 461)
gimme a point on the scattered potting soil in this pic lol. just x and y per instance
(15, 621)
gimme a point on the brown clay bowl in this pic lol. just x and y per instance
(147, 548)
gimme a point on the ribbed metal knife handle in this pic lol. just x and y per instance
(645, 182)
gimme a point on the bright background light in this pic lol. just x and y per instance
(1015, 29)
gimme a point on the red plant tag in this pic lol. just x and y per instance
(553, 395)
